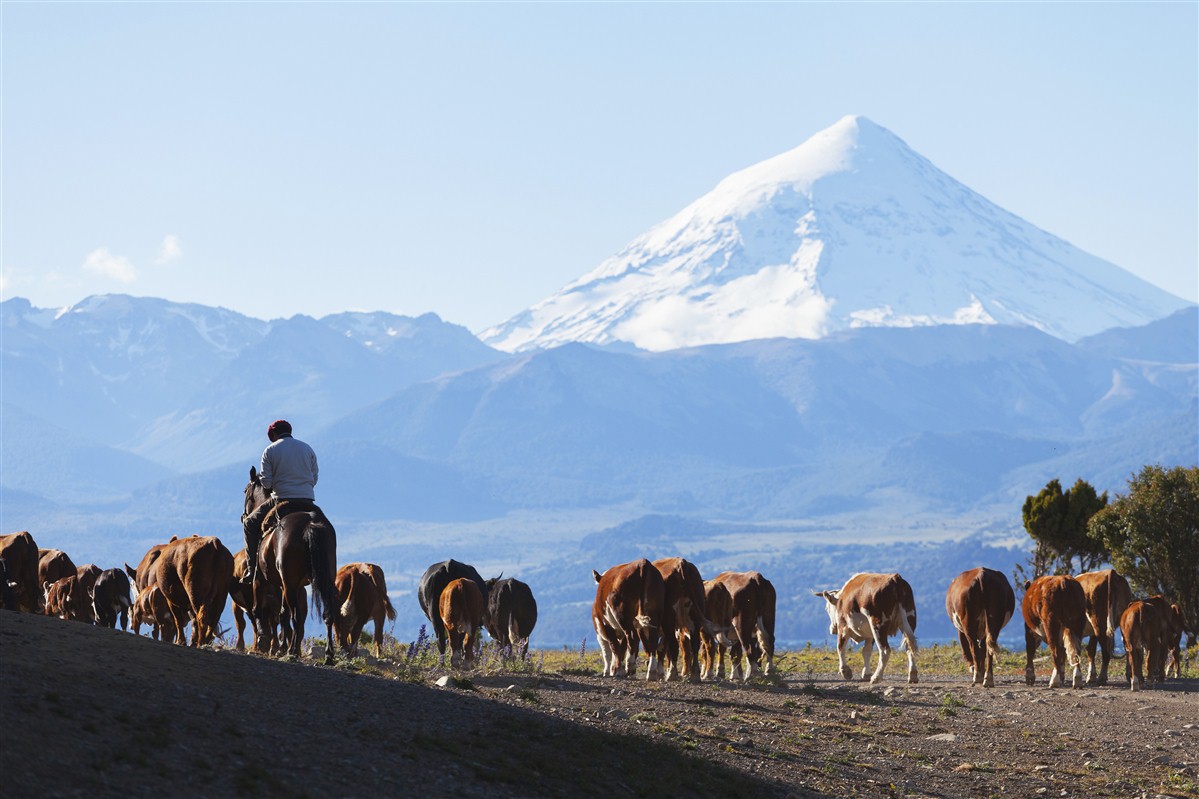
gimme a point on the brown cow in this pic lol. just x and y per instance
(67, 599)
(871, 608)
(740, 616)
(144, 574)
(152, 608)
(1146, 633)
(1107, 594)
(683, 616)
(362, 591)
(53, 565)
(980, 602)
(461, 610)
(1055, 611)
(629, 610)
(20, 555)
(87, 574)
(194, 574)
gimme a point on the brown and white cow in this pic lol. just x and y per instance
(740, 610)
(871, 608)
(683, 617)
(461, 611)
(194, 574)
(67, 599)
(1146, 630)
(979, 603)
(53, 565)
(144, 575)
(628, 612)
(1055, 611)
(20, 554)
(362, 591)
(1107, 595)
(151, 607)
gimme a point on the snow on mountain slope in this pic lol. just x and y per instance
(850, 229)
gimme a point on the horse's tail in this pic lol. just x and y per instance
(322, 552)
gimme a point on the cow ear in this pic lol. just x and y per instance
(1027, 584)
(596, 575)
(131, 572)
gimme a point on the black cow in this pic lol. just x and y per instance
(511, 613)
(434, 581)
(110, 599)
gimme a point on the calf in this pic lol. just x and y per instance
(362, 591)
(66, 599)
(110, 599)
(980, 602)
(433, 582)
(511, 613)
(871, 608)
(1146, 637)
(1055, 611)
(628, 611)
(461, 611)
(152, 608)
(1107, 595)
(683, 616)
(739, 609)
(20, 554)
(53, 565)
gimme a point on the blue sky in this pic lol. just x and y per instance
(470, 159)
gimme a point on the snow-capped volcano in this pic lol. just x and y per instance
(850, 229)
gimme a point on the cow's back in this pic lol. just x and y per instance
(879, 596)
(435, 579)
(1056, 598)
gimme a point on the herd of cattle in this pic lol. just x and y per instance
(685, 624)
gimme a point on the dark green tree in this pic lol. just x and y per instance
(1152, 533)
(1057, 520)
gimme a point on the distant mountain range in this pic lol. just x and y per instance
(850, 229)
(837, 349)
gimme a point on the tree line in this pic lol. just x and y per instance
(1149, 534)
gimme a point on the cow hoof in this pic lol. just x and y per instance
(847, 673)
(913, 678)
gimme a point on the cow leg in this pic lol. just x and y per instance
(1031, 642)
(239, 622)
(969, 655)
(1092, 647)
(736, 653)
(379, 636)
(744, 663)
(606, 653)
(842, 666)
(884, 650)
(1106, 645)
(766, 642)
(867, 652)
(1135, 664)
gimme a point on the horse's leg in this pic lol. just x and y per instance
(299, 606)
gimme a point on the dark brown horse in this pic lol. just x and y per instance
(303, 551)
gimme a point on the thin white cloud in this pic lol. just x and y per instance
(115, 267)
(172, 249)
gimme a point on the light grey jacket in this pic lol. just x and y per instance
(289, 469)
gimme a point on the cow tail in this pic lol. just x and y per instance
(388, 609)
(324, 591)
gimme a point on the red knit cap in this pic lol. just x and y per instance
(278, 429)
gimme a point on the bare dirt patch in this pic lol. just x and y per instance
(94, 711)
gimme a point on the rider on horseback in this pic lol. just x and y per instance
(289, 472)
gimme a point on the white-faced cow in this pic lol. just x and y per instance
(682, 618)
(1107, 595)
(739, 607)
(66, 599)
(151, 607)
(111, 600)
(628, 612)
(511, 613)
(1055, 611)
(461, 610)
(362, 591)
(870, 608)
(433, 582)
(980, 602)
(1146, 637)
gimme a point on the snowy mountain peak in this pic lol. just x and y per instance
(852, 228)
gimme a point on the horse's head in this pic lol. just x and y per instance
(256, 494)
